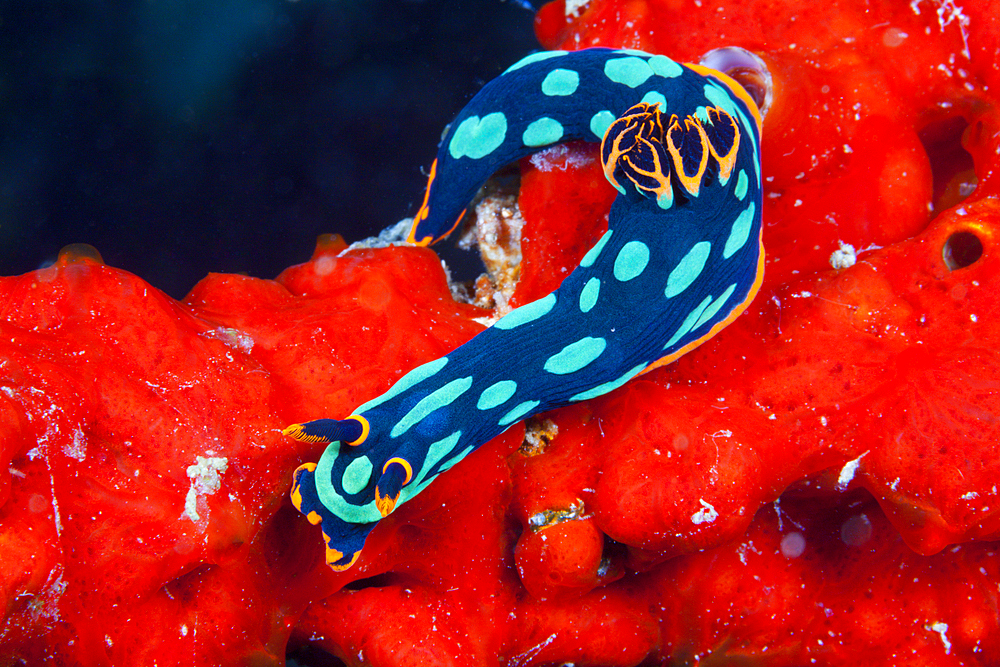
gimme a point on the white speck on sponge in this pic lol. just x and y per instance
(560, 157)
(847, 472)
(574, 7)
(392, 235)
(706, 514)
(941, 629)
(205, 481)
(78, 448)
(844, 257)
(236, 339)
(46, 602)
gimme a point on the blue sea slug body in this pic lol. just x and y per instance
(681, 259)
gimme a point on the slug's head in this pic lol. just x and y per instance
(350, 489)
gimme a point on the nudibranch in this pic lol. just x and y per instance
(681, 259)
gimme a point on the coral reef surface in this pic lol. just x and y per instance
(816, 485)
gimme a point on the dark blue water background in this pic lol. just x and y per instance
(181, 137)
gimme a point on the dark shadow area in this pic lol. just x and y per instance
(377, 581)
(311, 656)
(181, 138)
(951, 165)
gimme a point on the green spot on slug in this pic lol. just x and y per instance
(629, 71)
(689, 321)
(666, 198)
(417, 375)
(543, 132)
(589, 294)
(529, 312)
(435, 453)
(357, 474)
(477, 138)
(740, 231)
(434, 401)
(665, 67)
(560, 82)
(714, 308)
(741, 185)
(593, 253)
(534, 58)
(576, 356)
(602, 389)
(439, 450)
(631, 261)
(600, 122)
(337, 504)
(496, 394)
(653, 97)
(446, 465)
(688, 269)
(518, 412)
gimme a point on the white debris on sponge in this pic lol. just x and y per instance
(706, 514)
(941, 629)
(78, 448)
(499, 225)
(234, 338)
(844, 257)
(560, 157)
(205, 481)
(45, 605)
(847, 472)
(574, 7)
(947, 12)
(392, 235)
(497, 234)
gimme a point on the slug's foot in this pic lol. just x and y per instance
(338, 560)
(344, 540)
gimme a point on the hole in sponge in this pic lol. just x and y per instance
(307, 655)
(951, 165)
(961, 249)
(747, 69)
